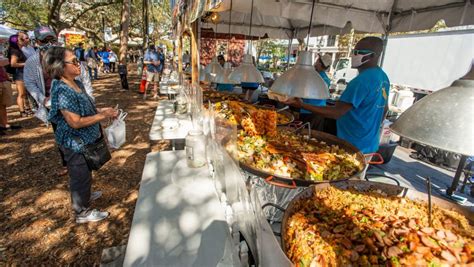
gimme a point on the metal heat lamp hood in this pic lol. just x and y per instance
(301, 80)
(444, 119)
(246, 72)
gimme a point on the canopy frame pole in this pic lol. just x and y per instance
(388, 28)
(180, 54)
(249, 50)
(310, 25)
(195, 52)
(290, 43)
(230, 34)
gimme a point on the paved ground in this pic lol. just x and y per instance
(412, 174)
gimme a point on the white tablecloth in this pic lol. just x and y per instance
(163, 111)
(178, 219)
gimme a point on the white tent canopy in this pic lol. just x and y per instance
(6, 32)
(279, 19)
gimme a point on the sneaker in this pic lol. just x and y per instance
(95, 195)
(91, 216)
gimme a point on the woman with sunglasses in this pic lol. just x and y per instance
(78, 124)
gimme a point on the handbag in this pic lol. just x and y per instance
(6, 93)
(97, 153)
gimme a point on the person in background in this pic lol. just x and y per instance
(92, 62)
(5, 98)
(152, 69)
(186, 60)
(80, 53)
(363, 105)
(38, 82)
(78, 124)
(17, 62)
(112, 58)
(105, 59)
(221, 60)
(27, 49)
(223, 86)
(248, 88)
(161, 57)
(321, 65)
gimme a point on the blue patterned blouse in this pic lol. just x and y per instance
(64, 97)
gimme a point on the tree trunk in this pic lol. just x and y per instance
(145, 25)
(125, 23)
(124, 31)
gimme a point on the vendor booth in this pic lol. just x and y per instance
(254, 186)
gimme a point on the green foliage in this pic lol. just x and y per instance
(88, 15)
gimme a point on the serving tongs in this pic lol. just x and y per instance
(283, 108)
(306, 125)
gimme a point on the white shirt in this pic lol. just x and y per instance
(28, 51)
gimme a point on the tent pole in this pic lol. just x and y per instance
(180, 53)
(387, 32)
(385, 42)
(194, 52)
(290, 42)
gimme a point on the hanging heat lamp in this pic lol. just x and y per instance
(301, 80)
(443, 120)
(214, 69)
(247, 72)
(223, 77)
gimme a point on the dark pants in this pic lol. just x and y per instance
(112, 66)
(320, 123)
(316, 121)
(63, 161)
(80, 180)
(90, 73)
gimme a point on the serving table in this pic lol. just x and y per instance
(178, 219)
(165, 110)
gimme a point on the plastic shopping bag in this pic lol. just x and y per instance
(116, 131)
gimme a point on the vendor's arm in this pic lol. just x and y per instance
(76, 121)
(333, 112)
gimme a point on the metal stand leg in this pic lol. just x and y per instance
(457, 176)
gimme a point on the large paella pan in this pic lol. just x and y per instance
(360, 223)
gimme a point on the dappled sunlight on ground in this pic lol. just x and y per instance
(36, 222)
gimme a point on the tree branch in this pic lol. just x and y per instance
(22, 25)
(92, 7)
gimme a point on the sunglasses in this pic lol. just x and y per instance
(74, 61)
(362, 52)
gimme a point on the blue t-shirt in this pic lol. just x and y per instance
(317, 102)
(64, 97)
(225, 87)
(152, 56)
(105, 57)
(253, 86)
(368, 94)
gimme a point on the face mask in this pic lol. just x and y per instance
(46, 46)
(356, 60)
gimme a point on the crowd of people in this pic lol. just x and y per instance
(96, 60)
(58, 83)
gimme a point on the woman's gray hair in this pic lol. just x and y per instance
(53, 61)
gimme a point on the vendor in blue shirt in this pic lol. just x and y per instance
(362, 107)
(223, 86)
(322, 64)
